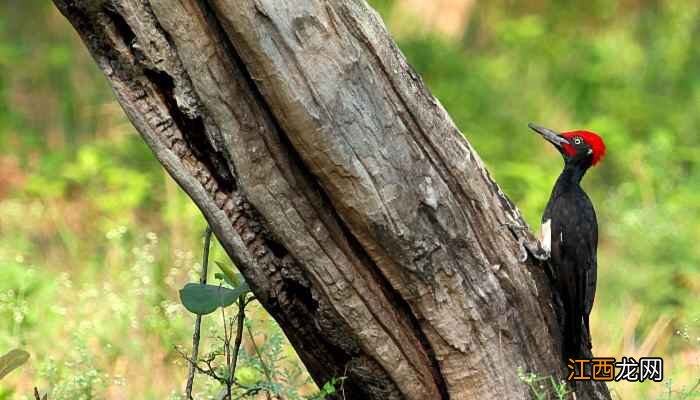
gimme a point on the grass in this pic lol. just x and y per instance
(94, 332)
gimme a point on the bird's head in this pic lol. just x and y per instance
(585, 148)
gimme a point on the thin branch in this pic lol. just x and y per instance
(231, 380)
(262, 362)
(239, 338)
(210, 371)
(227, 338)
(342, 381)
(227, 351)
(198, 321)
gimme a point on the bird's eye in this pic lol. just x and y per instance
(577, 140)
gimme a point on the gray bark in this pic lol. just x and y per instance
(365, 223)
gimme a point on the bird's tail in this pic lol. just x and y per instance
(573, 333)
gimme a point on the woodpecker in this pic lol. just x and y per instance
(570, 233)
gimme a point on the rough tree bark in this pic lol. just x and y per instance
(365, 223)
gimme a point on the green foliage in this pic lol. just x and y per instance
(330, 388)
(265, 368)
(544, 387)
(78, 379)
(109, 172)
(205, 299)
(684, 393)
(228, 275)
(243, 376)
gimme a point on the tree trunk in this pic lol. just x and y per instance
(365, 223)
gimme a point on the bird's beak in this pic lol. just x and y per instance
(550, 135)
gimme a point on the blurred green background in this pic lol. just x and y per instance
(95, 239)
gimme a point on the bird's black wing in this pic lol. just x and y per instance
(589, 239)
(573, 255)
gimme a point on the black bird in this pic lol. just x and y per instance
(570, 233)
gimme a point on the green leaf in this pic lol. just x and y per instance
(329, 388)
(248, 376)
(205, 299)
(230, 276)
(12, 360)
(220, 276)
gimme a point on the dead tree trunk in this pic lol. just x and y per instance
(365, 223)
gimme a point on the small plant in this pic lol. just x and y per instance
(257, 370)
(78, 378)
(330, 388)
(685, 393)
(544, 387)
(202, 299)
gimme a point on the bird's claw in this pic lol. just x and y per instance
(535, 248)
(527, 244)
